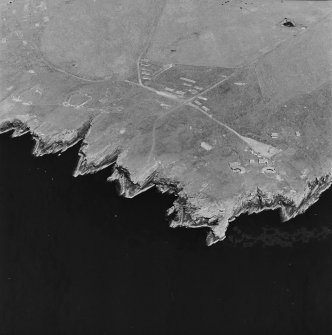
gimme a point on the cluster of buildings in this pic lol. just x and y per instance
(145, 69)
(237, 167)
(188, 86)
(200, 101)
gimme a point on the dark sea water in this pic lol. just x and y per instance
(75, 258)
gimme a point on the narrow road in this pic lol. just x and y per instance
(263, 149)
(175, 108)
(149, 39)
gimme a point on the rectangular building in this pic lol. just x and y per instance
(188, 80)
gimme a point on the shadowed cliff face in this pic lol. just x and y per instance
(236, 119)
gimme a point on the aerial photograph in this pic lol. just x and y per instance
(165, 167)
